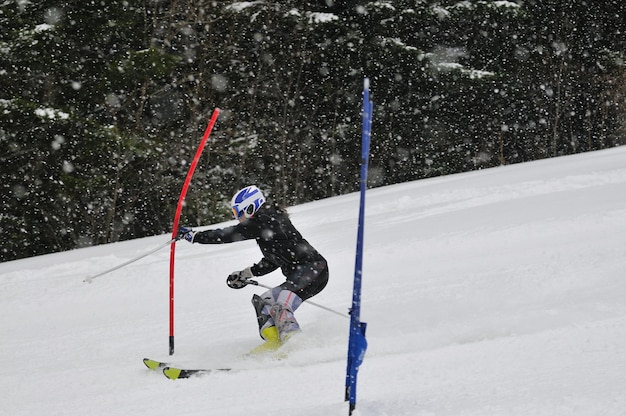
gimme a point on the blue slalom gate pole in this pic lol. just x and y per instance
(357, 344)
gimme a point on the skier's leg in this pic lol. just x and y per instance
(262, 314)
(307, 280)
(282, 313)
(262, 304)
(274, 308)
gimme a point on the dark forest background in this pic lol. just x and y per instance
(103, 102)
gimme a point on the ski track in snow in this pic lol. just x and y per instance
(495, 292)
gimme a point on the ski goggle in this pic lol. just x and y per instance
(248, 212)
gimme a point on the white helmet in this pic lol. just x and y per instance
(247, 201)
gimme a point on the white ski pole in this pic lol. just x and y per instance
(89, 279)
(345, 315)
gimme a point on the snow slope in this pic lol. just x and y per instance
(496, 292)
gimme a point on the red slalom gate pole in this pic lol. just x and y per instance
(179, 209)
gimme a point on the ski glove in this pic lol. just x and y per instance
(239, 280)
(186, 233)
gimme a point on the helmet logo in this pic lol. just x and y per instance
(245, 194)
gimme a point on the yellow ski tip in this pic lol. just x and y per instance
(172, 373)
(151, 364)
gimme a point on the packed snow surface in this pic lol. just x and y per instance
(494, 292)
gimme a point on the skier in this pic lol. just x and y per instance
(305, 269)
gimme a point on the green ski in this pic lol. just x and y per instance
(153, 364)
(174, 373)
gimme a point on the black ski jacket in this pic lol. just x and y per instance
(281, 244)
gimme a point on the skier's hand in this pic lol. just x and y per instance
(239, 280)
(186, 233)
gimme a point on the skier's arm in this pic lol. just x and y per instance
(263, 267)
(232, 234)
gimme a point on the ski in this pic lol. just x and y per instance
(154, 365)
(174, 373)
